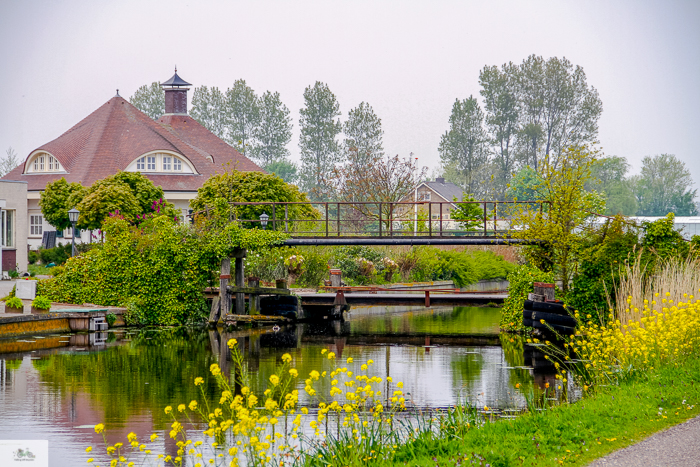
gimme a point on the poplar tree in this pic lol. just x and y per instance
(558, 109)
(463, 146)
(209, 109)
(150, 100)
(242, 117)
(363, 134)
(502, 120)
(320, 150)
(274, 130)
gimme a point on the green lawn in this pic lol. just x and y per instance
(571, 434)
(37, 269)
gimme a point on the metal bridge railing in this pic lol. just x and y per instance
(382, 219)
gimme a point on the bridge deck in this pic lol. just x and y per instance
(389, 299)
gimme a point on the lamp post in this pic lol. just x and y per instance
(263, 220)
(73, 215)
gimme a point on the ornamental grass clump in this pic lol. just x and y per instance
(352, 419)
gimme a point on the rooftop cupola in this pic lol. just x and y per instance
(175, 94)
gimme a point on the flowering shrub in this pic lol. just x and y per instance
(267, 429)
(366, 267)
(666, 334)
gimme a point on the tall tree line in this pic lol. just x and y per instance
(531, 113)
(260, 127)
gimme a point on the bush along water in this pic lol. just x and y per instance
(521, 282)
(157, 269)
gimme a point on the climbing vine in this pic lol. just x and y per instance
(157, 269)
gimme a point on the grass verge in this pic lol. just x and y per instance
(37, 270)
(572, 434)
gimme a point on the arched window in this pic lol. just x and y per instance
(161, 162)
(43, 162)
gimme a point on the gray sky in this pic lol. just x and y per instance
(410, 60)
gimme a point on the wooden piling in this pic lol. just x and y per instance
(224, 295)
(239, 254)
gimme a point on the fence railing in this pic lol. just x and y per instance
(382, 219)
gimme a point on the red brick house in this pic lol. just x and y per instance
(175, 152)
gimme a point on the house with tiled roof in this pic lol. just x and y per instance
(175, 152)
(439, 197)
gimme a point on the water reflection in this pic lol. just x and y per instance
(443, 355)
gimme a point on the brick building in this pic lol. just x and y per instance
(174, 152)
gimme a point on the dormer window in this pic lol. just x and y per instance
(157, 162)
(43, 162)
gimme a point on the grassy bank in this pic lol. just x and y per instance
(571, 434)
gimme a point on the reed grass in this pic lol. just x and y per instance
(674, 277)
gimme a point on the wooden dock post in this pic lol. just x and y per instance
(336, 278)
(545, 289)
(254, 299)
(224, 295)
(239, 254)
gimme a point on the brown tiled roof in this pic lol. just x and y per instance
(110, 138)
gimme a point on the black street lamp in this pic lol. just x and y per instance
(73, 215)
(263, 220)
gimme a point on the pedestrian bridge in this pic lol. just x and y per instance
(388, 223)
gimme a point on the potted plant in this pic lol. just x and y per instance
(14, 305)
(41, 305)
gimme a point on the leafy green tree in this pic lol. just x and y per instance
(463, 146)
(320, 150)
(665, 185)
(9, 162)
(609, 176)
(104, 199)
(525, 185)
(363, 133)
(274, 131)
(558, 109)
(565, 218)
(130, 193)
(242, 117)
(55, 202)
(499, 90)
(150, 100)
(247, 187)
(470, 216)
(144, 190)
(209, 109)
(286, 170)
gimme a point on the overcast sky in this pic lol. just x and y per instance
(410, 60)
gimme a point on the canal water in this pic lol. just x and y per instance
(58, 387)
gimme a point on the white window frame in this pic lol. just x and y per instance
(39, 163)
(43, 162)
(161, 162)
(7, 228)
(36, 225)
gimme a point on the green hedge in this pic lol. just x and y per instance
(157, 269)
(521, 282)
